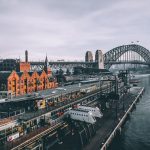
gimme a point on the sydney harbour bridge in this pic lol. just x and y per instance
(125, 54)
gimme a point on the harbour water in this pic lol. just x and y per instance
(136, 132)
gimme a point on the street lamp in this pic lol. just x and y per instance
(116, 95)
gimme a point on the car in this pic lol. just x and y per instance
(53, 92)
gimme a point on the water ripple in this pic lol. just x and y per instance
(136, 132)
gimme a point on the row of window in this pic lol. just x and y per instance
(21, 86)
(28, 81)
(89, 110)
(79, 114)
(18, 87)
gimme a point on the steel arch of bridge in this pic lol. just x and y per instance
(115, 53)
(110, 58)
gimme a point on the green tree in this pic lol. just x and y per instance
(68, 72)
(61, 72)
(3, 87)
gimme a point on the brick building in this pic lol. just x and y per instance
(24, 81)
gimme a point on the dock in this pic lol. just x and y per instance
(106, 128)
(110, 127)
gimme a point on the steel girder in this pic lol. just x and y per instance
(115, 53)
(58, 65)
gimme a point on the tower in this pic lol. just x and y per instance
(26, 56)
(99, 59)
(24, 66)
(88, 56)
(47, 67)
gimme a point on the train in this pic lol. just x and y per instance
(95, 111)
(81, 115)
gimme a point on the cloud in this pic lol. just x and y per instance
(67, 29)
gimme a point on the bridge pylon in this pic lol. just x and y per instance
(99, 59)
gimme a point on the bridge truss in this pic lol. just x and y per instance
(112, 57)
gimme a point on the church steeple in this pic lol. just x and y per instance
(46, 66)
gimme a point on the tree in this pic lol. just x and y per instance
(3, 87)
(68, 72)
(61, 72)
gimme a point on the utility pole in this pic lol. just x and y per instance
(116, 92)
(100, 85)
(123, 102)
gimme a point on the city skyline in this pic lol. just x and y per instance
(67, 29)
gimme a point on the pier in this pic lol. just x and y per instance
(122, 120)
(106, 128)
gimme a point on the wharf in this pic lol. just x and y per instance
(110, 126)
(107, 127)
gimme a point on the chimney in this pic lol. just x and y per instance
(26, 56)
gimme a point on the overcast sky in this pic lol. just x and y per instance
(66, 29)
